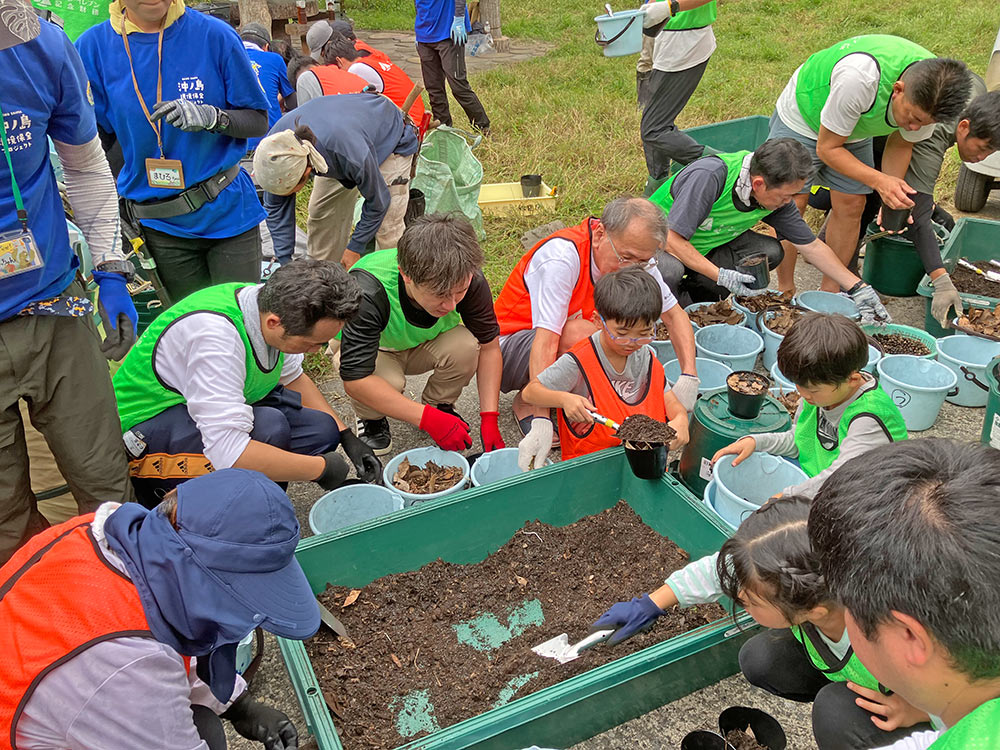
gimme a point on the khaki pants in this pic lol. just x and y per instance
(453, 356)
(331, 211)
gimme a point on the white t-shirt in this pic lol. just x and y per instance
(203, 358)
(853, 89)
(551, 277)
(674, 51)
(363, 70)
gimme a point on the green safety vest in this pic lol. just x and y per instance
(139, 391)
(726, 220)
(875, 403)
(696, 18)
(849, 668)
(979, 730)
(893, 55)
(399, 334)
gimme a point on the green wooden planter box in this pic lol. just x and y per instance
(468, 526)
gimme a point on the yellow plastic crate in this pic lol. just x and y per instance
(505, 198)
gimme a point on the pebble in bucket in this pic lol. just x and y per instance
(917, 386)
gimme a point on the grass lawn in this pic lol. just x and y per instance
(571, 114)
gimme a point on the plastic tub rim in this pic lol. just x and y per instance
(891, 358)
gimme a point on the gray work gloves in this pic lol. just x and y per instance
(945, 298)
(869, 305)
(186, 115)
(656, 12)
(736, 282)
(686, 390)
(263, 724)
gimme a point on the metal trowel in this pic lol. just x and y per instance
(560, 649)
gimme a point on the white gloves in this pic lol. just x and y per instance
(945, 297)
(686, 390)
(736, 282)
(534, 448)
(657, 12)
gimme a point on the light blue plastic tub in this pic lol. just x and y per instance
(496, 465)
(711, 373)
(352, 504)
(695, 305)
(743, 489)
(772, 341)
(620, 34)
(420, 457)
(735, 346)
(780, 379)
(874, 355)
(828, 302)
(708, 497)
(664, 350)
(244, 652)
(967, 357)
(918, 386)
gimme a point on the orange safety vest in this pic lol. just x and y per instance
(579, 439)
(374, 54)
(334, 80)
(58, 597)
(513, 305)
(396, 85)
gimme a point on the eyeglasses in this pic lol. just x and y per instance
(629, 339)
(644, 264)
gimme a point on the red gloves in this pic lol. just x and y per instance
(489, 430)
(447, 430)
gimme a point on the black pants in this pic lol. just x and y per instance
(187, 264)
(445, 60)
(668, 94)
(700, 288)
(209, 727)
(775, 661)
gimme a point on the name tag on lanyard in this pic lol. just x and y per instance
(165, 173)
(18, 253)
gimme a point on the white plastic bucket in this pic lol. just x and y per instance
(918, 386)
(420, 457)
(620, 34)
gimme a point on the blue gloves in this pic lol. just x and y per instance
(458, 33)
(629, 618)
(118, 314)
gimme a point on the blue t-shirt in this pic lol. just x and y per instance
(434, 19)
(43, 93)
(272, 73)
(204, 61)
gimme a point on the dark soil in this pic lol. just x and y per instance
(639, 428)
(404, 624)
(754, 260)
(765, 301)
(972, 283)
(424, 481)
(898, 343)
(749, 383)
(783, 320)
(982, 320)
(718, 312)
(743, 741)
(790, 400)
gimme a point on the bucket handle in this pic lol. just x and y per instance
(971, 377)
(953, 392)
(616, 37)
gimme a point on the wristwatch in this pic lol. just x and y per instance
(221, 121)
(123, 267)
(857, 287)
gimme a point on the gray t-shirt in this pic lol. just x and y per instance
(564, 374)
(698, 186)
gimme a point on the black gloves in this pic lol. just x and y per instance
(335, 472)
(261, 723)
(364, 459)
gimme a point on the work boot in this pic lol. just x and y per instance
(375, 434)
(653, 184)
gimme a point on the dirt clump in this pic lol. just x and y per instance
(424, 481)
(982, 320)
(970, 282)
(749, 383)
(782, 320)
(766, 301)
(446, 642)
(899, 343)
(715, 313)
(642, 431)
(743, 741)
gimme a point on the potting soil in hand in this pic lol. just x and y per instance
(740, 740)
(898, 343)
(982, 320)
(447, 642)
(424, 481)
(783, 320)
(642, 429)
(718, 312)
(765, 301)
(971, 282)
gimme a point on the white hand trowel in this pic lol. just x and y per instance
(560, 649)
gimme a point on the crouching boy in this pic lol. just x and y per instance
(843, 412)
(614, 372)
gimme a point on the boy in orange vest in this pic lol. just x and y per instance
(614, 372)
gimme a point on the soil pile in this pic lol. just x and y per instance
(718, 312)
(971, 282)
(766, 301)
(982, 321)
(424, 481)
(749, 383)
(783, 319)
(898, 343)
(418, 634)
(643, 431)
(743, 741)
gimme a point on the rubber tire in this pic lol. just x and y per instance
(972, 190)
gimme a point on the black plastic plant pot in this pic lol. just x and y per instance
(531, 185)
(701, 739)
(765, 728)
(745, 405)
(415, 206)
(894, 219)
(756, 266)
(647, 463)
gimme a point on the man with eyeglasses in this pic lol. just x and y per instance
(713, 205)
(546, 306)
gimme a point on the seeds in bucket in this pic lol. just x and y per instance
(427, 480)
(718, 312)
(765, 301)
(743, 740)
(982, 320)
(900, 343)
(747, 382)
(783, 320)
(643, 432)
